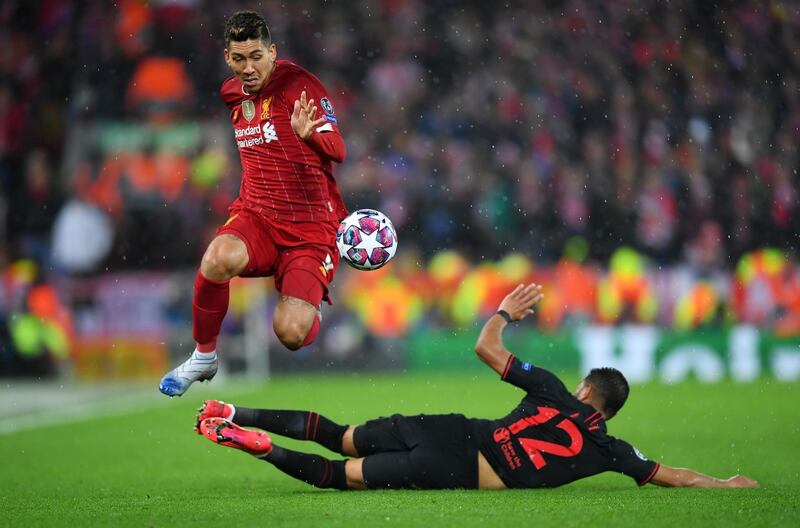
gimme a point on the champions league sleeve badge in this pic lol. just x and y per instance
(328, 108)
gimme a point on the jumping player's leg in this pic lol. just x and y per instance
(296, 321)
(241, 247)
(225, 258)
(302, 279)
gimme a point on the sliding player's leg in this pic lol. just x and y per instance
(374, 436)
(422, 451)
(312, 469)
(451, 463)
(300, 425)
(440, 467)
(421, 468)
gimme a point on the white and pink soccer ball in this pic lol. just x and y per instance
(366, 239)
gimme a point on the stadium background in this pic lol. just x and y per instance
(637, 158)
(649, 181)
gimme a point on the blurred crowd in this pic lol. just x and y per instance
(476, 127)
(482, 128)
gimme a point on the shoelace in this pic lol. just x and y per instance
(198, 364)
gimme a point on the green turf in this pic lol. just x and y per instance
(150, 469)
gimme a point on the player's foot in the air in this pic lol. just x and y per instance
(222, 432)
(214, 409)
(177, 381)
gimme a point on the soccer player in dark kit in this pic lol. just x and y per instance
(284, 222)
(551, 438)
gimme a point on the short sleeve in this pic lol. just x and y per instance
(530, 378)
(231, 92)
(628, 460)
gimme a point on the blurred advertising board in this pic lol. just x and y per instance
(642, 353)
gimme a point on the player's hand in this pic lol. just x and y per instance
(740, 481)
(303, 122)
(519, 303)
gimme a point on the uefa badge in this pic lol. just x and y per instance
(248, 109)
(326, 105)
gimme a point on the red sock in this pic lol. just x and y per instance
(209, 306)
(312, 334)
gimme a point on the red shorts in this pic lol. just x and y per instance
(299, 271)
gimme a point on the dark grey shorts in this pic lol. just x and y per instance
(436, 451)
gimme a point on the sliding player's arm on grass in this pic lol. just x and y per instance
(686, 478)
(518, 305)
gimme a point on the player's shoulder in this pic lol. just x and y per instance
(292, 72)
(231, 91)
(291, 69)
(550, 378)
(620, 448)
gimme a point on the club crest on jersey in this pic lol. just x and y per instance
(265, 108)
(248, 109)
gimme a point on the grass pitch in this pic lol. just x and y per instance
(148, 468)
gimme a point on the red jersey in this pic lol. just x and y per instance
(284, 178)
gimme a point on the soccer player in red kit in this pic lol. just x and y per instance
(284, 222)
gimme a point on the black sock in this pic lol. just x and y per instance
(311, 469)
(301, 425)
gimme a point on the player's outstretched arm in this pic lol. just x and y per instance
(320, 134)
(687, 478)
(518, 305)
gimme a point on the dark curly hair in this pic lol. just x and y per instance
(612, 387)
(246, 25)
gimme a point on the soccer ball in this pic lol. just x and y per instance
(366, 239)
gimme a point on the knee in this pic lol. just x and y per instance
(348, 442)
(290, 332)
(354, 472)
(223, 261)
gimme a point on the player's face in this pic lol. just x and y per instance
(251, 61)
